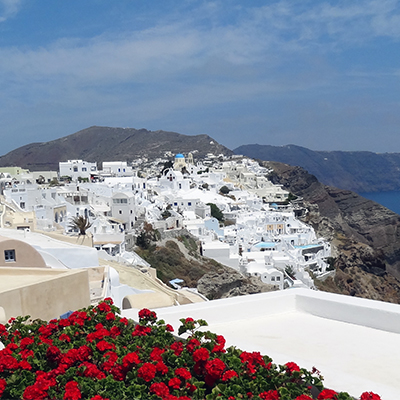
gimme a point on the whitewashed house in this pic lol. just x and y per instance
(117, 168)
(123, 209)
(77, 169)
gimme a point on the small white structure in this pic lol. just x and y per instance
(123, 209)
(77, 169)
(117, 168)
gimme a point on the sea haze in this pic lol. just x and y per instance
(390, 200)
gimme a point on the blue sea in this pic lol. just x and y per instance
(390, 200)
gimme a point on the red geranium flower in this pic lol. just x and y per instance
(327, 394)
(34, 393)
(183, 373)
(146, 314)
(229, 375)
(177, 348)
(110, 316)
(147, 372)
(219, 347)
(303, 397)
(130, 359)
(162, 368)
(160, 389)
(175, 383)
(72, 391)
(115, 331)
(26, 342)
(191, 344)
(270, 395)
(103, 346)
(215, 368)
(8, 362)
(370, 396)
(155, 354)
(3, 385)
(291, 367)
(64, 337)
(103, 307)
(201, 354)
(141, 330)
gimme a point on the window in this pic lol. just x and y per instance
(120, 211)
(272, 278)
(22, 204)
(75, 169)
(120, 201)
(278, 278)
(84, 169)
(9, 255)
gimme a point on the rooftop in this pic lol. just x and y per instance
(354, 342)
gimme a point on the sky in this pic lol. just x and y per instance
(319, 74)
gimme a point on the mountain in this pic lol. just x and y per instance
(98, 144)
(359, 171)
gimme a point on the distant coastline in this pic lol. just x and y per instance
(390, 200)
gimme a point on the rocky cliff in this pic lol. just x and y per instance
(364, 234)
(226, 282)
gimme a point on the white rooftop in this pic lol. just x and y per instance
(354, 342)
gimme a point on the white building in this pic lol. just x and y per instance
(77, 169)
(117, 168)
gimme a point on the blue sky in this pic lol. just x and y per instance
(320, 74)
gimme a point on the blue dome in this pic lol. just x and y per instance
(179, 156)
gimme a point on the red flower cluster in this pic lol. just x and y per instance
(327, 394)
(369, 396)
(291, 367)
(94, 354)
(270, 395)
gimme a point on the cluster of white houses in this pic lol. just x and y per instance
(258, 237)
(45, 277)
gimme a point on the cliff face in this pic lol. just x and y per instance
(361, 171)
(364, 234)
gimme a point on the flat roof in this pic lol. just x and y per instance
(354, 342)
(13, 277)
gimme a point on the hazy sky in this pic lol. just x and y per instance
(320, 74)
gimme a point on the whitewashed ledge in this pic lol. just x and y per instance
(354, 342)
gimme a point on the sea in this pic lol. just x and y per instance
(390, 200)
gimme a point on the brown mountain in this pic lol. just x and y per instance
(97, 144)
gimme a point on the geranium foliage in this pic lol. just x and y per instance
(95, 354)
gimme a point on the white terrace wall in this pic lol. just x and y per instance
(48, 294)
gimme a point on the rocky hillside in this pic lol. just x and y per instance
(109, 144)
(180, 258)
(360, 171)
(364, 234)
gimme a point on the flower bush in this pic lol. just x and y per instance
(95, 354)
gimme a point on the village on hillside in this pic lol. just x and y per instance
(70, 234)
